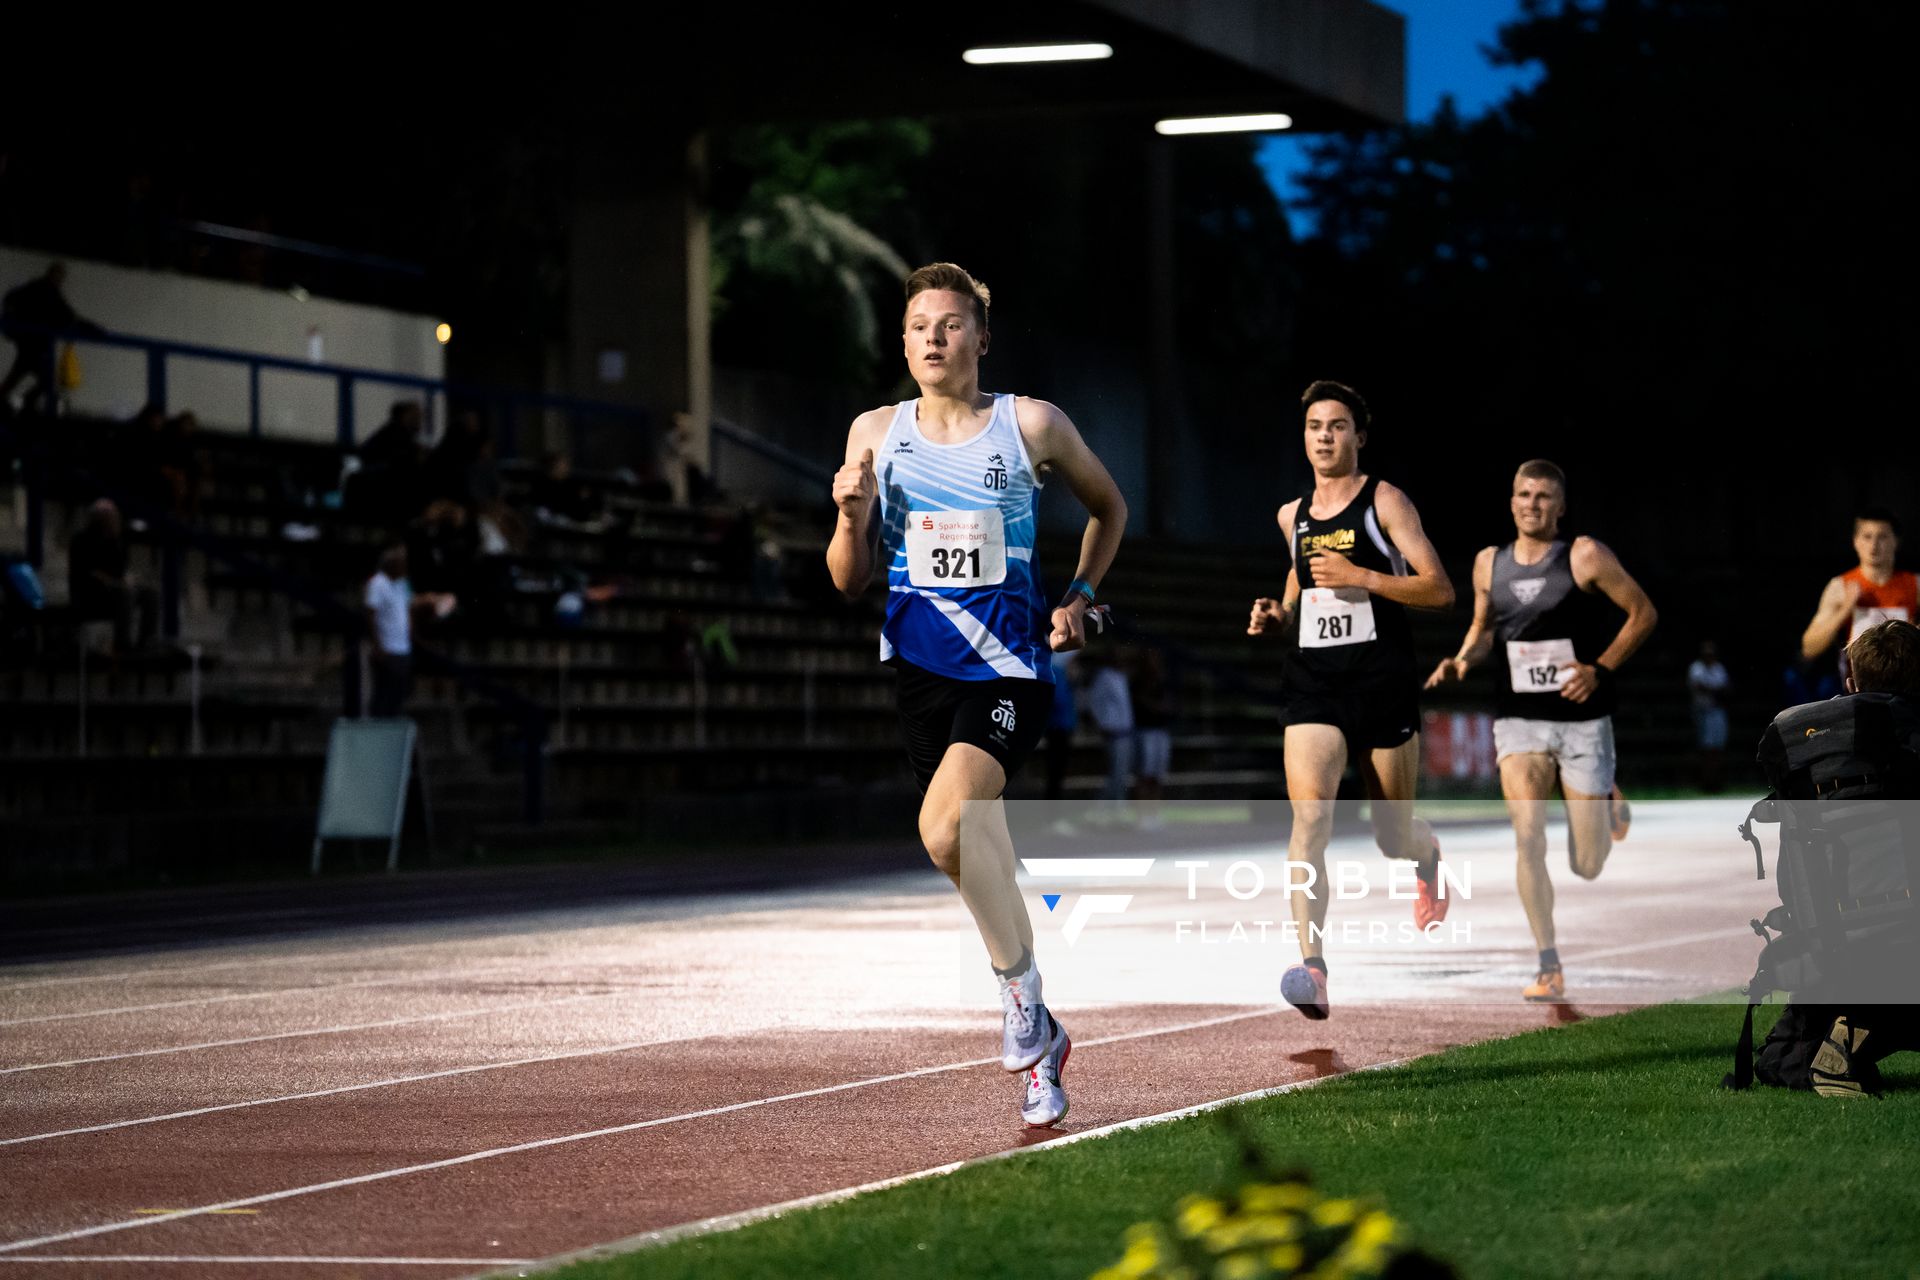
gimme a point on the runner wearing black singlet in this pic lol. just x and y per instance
(1360, 560)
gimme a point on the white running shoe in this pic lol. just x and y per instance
(1024, 1020)
(1046, 1101)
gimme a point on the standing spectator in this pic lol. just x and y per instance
(1111, 706)
(1707, 682)
(32, 316)
(391, 481)
(1152, 732)
(1061, 722)
(98, 584)
(390, 608)
(450, 468)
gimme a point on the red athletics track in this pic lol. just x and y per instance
(452, 1099)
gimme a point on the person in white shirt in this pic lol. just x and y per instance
(1110, 703)
(390, 608)
(1707, 683)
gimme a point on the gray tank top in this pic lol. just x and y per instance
(1541, 618)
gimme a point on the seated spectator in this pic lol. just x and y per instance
(98, 584)
(558, 497)
(442, 547)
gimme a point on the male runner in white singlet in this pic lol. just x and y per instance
(942, 491)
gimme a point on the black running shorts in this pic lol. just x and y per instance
(1372, 719)
(1003, 717)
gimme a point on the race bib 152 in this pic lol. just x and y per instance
(1539, 666)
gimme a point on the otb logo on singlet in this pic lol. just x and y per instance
(1341, 540)
(1527, 590)
(996, 474)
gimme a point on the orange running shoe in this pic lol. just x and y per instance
(1620, 813)
(1305, 988)
(1549, 987)
(1428, 906)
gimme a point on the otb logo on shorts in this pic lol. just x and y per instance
(1003, 714)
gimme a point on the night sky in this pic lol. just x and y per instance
(1444, 42)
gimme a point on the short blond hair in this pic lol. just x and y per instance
(1541, 469)
(953, 277)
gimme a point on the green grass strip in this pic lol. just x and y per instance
(1604, 1148)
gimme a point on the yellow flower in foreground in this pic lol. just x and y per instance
(1335, 1213)
(1243, 1267)
(1286, 1258)
(1374, 1229)
(1198, 1213)
(1269, 1197)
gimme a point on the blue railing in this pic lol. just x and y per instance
(510, 406)
(348, 377)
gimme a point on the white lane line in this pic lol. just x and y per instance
(346, 1088)
(425, 975)
(610, 1131)
(1713, 935)
(263, 1260)
(317, 1031)
(733, 1221)
(248, 963)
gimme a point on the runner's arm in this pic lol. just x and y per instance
(1428, 587)
(1478, 643)
(1830, 619)
(1270, 614)
(1593, 562)
(854, 548)
(1053, 442)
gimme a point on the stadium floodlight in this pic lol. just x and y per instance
(998, 54)
(444, 332)
(1267, 123)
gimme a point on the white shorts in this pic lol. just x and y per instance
(1583, 749)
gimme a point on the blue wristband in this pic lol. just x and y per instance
(1081, 585)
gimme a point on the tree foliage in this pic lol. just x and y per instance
(1693, 220)
(805, 273)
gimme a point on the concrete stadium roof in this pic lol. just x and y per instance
(1330, 64)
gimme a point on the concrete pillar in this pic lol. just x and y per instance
(638, 311)
(1167, 415)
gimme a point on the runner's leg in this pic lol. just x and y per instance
(963, 824)
(1526, 779)
(1391, 774)
(1315, 755)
